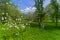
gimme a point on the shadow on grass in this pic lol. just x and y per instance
(48, 26)
(34, 24)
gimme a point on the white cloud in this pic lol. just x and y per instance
(29, 9)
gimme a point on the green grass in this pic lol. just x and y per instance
(33, 32)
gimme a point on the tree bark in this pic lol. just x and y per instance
(41, 24)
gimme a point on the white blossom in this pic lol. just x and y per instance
(15, 26)
(2, 13)
(59, 20)
(5, 17)
(6, 13)
(10, 2)
(7, 3)
(21, 16)
(10, 26)
(23, 26)
(26, 23)
(2, 18)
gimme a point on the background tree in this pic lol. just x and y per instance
(55, 7)
(40, 14)
(51, 9)
(50, 12)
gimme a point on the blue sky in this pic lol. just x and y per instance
(22, 4)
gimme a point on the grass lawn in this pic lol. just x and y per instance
(33, 32)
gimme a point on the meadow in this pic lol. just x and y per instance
(31, 32)
(29, 20)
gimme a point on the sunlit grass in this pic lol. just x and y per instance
(32, 32)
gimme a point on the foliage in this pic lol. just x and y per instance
(40, 12)
(8, 9)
